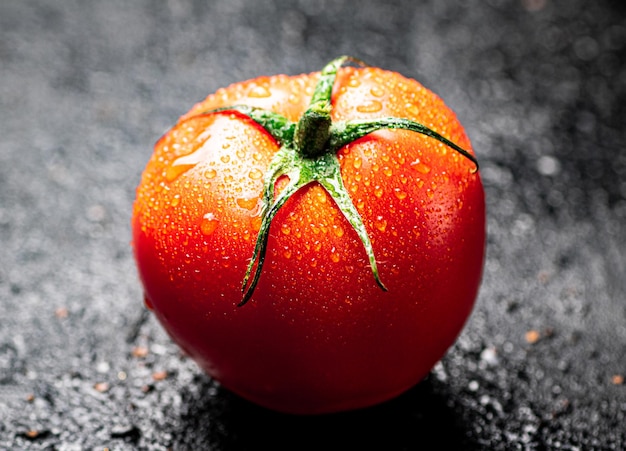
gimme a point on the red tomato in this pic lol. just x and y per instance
(316, 334)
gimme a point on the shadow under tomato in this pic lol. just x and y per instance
(418, 419)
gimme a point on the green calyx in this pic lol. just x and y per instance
(307, 154)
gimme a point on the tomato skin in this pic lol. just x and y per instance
(318, 335)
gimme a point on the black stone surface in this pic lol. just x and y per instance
(87, 87)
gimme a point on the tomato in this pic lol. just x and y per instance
(314, 242)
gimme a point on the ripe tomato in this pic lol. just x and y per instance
(355, 228)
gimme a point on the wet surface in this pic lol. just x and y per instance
(86, 88)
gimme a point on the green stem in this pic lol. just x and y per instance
(313, 129)
(333, 184)
(343, 133)
(307, 154)
(260, 249)
(278, 126)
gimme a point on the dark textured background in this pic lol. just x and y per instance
(87, 87)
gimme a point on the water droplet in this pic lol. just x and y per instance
(387, 171)
(377, 91)
(420, 167)
(380, 223)
(399, 193)
(255, 174)
(287, 254)
(371, 106)
(378, 191)
(210, 173)
(175, 201)
(335, 257)
(255, 223)
(259, 91)
(354, 82)
(225, 158)
(247, 204)
(413, 109)
(209, 224)
(357, 162)
(285, 229)
(338, 231)
(349, 269)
